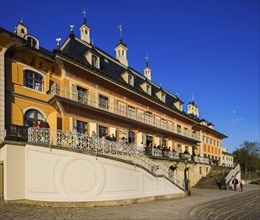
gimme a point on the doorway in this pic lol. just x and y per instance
(149, 140)
(131, 137)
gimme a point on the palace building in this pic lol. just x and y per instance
(63, 105)
(80, 86)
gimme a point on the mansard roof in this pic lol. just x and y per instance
(75, 48)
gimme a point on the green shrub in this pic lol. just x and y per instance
(257, 182)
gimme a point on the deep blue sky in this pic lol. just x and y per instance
(208, 49)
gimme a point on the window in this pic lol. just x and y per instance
(103, 102)
(163, 97)
(32, 42)
(140, 115)
(121, 108)
(95, 61)
(163, 123)
(32, 115)
(102, 131)
(131, 112)
(170, 125)
(200, 170)
(130, 80)
(148, 89)
(157, 121)
(82, 127)
(178, 128)
(33, 80)
(164, 142)
(149, 117)
(185, 131)
(82, 95)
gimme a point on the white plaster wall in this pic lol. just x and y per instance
(67, 176)
(13, 158)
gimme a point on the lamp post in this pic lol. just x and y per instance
(186, 180)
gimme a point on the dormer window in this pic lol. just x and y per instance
(93, 58)
(128, 77)
(94, 61)
(148, 89)
(32, 41)
(130, 80)
(163, 97)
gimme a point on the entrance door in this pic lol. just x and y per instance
(131, 137)
(102, 131)
(149, 140)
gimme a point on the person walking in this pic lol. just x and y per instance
(242, 183)
(235, 182)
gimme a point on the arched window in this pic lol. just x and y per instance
(32, 115)
(33, 80)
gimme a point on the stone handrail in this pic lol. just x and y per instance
(93, 100)
(232, 173)
(98, 145)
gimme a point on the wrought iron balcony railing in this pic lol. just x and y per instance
(98, 146)
(100, 102)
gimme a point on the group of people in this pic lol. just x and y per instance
(40, 124)
(109, 138)
(234, 183)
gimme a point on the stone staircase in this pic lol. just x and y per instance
(213, 179)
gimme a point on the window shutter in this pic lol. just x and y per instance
(47, 82)
(74, 124)
(14, 72)
(17, 74)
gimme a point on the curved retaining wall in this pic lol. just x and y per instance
(38, 173)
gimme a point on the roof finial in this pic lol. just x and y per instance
(146, 60)
(21, 20)
(192, 97)
(58, 43)
(72, 29)
(92, 42)
(15, 30)
(84, 13)
(120, 27)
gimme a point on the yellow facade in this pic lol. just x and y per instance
(67, 94)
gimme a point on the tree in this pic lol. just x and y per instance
(248, 156)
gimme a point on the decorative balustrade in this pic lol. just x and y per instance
(167, 172)
(93, 100)
(97, 145)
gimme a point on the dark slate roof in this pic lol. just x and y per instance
(110, 67)
(121, 42)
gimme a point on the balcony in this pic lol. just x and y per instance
(100, 103)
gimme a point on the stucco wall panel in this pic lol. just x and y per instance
(56, 175)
